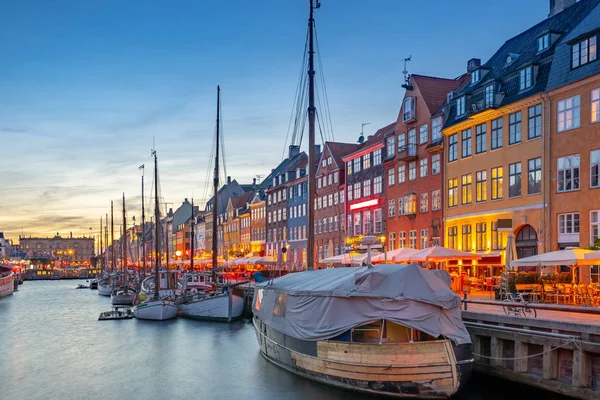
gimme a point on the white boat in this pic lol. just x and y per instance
(7, 284)
(121, 297)
(156, 309)
(105, 287)
(220, 307)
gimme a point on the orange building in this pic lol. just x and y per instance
(258, 224)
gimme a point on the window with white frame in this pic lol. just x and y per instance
(341, 198)
(452, 192)
(423, 167)
(526, 78)
(357, 191)
(391, 177)
(423, 202)
(377, 157)
(423, 134)
(584, 52)
(402, 173)
(390, 146)
(408, 109)
(336, 199)
(543, 42)
(568, 224)
(357, 164)
(435, 164)
(401, 206)
(475, 76)
(366, 188)
(392, 241)
(596, 105)
(336, 223)
(378, 220)
(461, 107)
(368, 229)
(391, 208)
(410, 204)
(453, 147)
(424, 238)
(594, 227)
(412, 170)
(401, 240)
(377, 185)
(568, 113)
(357, 224)
(595, 168)
(412, 239)
(367, 161)
(335, 176)
(401, 141)
(349, 169)
(350, 193)
(489, 96)
(436, 129)
(514, 128)
(436, 200)
(568, 173)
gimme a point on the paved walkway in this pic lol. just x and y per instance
(571, 317)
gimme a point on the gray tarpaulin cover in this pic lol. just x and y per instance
(322, 304)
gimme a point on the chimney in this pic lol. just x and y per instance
(557, 6)
(228, 180)
(71, 235)
(253, 182)
(473, 64)
(294, 150)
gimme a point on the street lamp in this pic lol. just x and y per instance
(382, 240)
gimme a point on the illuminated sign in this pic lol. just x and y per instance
(364, 204)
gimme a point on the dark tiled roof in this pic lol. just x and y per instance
(524, 48)
(339, 150)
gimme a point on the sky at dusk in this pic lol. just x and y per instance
(85, 86)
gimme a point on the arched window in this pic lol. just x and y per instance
(526, 242)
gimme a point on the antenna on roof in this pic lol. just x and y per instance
(406, 74)
(361, 139)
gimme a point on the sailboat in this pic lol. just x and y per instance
(214, 306)
(156, 307)
(393, 330)
(124, 295)
(107, 284)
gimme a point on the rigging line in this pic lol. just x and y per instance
(328, 110)
(320, 130)
(207, 180)
(300, 111)
(222, 140)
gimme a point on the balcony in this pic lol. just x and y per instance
(408, 153)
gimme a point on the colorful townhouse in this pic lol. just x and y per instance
(414, 163)
(297, 201)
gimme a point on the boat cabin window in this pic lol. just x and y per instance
(280, 305)
(385, 331)
(258, 300)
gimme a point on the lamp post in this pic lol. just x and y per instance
(382, 240)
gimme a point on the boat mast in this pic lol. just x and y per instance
(143, 228)
(101, 250)
(157, 221)
(192, 239)
(124, 244)
(311, 140)
(112, 237)
(106, 241)
(215, 196)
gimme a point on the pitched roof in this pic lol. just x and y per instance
(339, 150)
(434, 90)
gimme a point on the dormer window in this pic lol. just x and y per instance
(408, 109)
(461, 106)
(489, 95)
(543, 42)
(526, 78)
(584, 52)
(475, 76)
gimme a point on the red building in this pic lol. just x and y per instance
(330, 235)
(413, 169)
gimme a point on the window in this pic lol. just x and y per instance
(367, 222)
(408, 109)
(423, 167)
(481, 186)
(412, 239)
(412, 141)
(436, 200)
(335, 198)
(357, 191)
(481, 236)
(514, 128)
(452, 192)
(497, 133)
(341, 198)
(357, 164)
(391, 208)
(390, 177)
(336, 173)
(583, 52)
(367, 161)
(377, 186)
(514, 180)
(410, 204)
(496, 237)
(324, 163)
(568, 173)
(320, 225)
(475, 76)
(401, 141)
(466, 238)
(329, 179)
(378, 218)
(366, 188)
(461, 106)
(357, 224)
(568, 223)
(543, 42)
(390, 146)
(452, 234)
(526, 78)
(424, 238)
(349, 192)
(350, 226)
(377, 157)
(392, 241)
(594, 227)
(435, 164)
(480, 139)
(496, 183)
(453, 147)
(596, 105)
(423, 134)
(568, 113)
(402, 174)
(595, 274)
(436, 129)
(349, 169)
(412, 171)
(401, 240)
(534, 176)
(467, 143)
(595, 168)
(401, 206)
(489, 96)
(423, 203)
(466, 188)
(318, 182)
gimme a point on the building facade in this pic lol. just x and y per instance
(295, 256)
(258, 224)
(58, 250)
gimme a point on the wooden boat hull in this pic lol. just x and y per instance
(215, 308)
(156, 310)
(7, 285)
(422, 370)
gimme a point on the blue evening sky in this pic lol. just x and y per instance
(85, 86)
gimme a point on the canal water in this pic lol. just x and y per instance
(52, 346)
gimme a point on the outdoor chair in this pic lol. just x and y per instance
(550, 293)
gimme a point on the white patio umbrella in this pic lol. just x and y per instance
(340, 259)
(511, 252)
(392, 254)
(571, 257)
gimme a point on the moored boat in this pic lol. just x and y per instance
(7, 283)
(221, 307)
(390, 330)
(156, 309)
